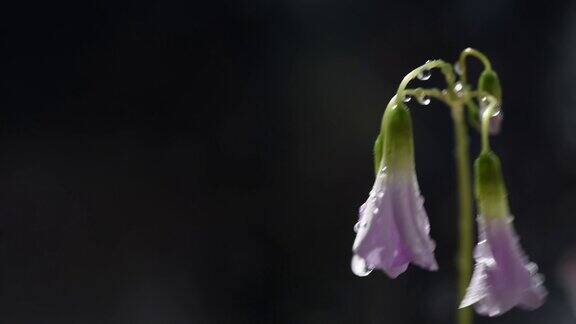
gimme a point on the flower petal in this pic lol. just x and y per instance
(393, 228)
(503, 278)
(416, 228)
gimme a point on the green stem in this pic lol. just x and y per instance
(432, 93)
(444, 67)
(486, 115)
(477, 54)
(465, 209)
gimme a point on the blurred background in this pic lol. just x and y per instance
(203, 161)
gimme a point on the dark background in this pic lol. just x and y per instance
(203, 162)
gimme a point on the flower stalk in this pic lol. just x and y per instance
(465, 219)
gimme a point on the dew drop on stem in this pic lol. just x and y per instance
(424, 74)
(458, 69)
(459, 89)
(423, 100)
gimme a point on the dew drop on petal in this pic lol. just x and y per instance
(407, 98)
(359, 225)
(380, 194)
(375, 211)
(362, 208)
(424, 74)
(359, 267)
(532, 268)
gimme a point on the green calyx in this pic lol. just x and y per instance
(490, 83)
(394, 146)
(491, 191)
(378, 148)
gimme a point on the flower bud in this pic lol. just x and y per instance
(490, 83)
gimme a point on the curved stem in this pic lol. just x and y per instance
(465, 209)
(486, 115)
(473, 115)
(488, 112)
(433, 93)
(443, 66)
(477, 54)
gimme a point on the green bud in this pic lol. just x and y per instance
(491, 191)
(490, 83)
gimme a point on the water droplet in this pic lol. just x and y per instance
(538, 279)
(458, 68)
(484, 102)
(380, 194)
(407, 98)
(423, 100)
(383, 169)
(424, 74)
(375, 211)
(459, 89)
(359, 225)
(532, 268)
(359, 267)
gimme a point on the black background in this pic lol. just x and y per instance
(203, 162)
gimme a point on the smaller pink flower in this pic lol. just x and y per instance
(503, 277)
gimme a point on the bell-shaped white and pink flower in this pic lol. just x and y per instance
(503, 276)
(393, 228)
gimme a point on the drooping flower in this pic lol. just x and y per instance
(503, 277)
(393, 228)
